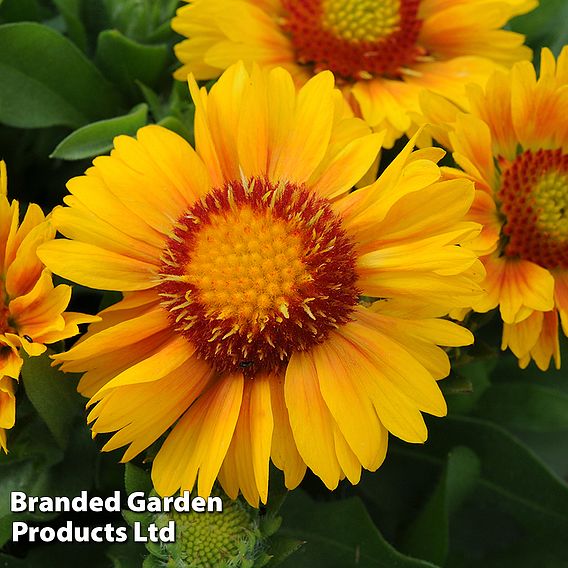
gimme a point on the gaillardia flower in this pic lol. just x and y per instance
(243, 264)
(32, 311)
(384, 53)
(514, 146)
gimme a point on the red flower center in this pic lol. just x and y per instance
(356, 39)
(534, 199)
(253, 273)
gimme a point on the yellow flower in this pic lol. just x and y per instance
(243, 263)
(514, 146)
(31, 309)
(383, 53)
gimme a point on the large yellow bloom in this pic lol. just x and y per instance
(243, 263)
(31, 309)
(514, 145)
(383, 52)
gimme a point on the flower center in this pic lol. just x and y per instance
(364, 20)
(255, 272)
(534, 196)
(356, 39)
(230, 539)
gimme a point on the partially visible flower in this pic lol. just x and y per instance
(31, 309)
(384, 53)
(243, 264)
(236, 537)
(514, 146)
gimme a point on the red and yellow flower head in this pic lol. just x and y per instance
(32, 311)
(514, 146)
(243, 264)
(383, 53)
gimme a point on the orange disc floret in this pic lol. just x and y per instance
(354, 39)
(534, 197)
(253, 273)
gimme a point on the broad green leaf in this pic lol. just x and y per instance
(525, 406)
(512, 478)
(550, 447)
(428, 535)
(47, 81)
(53, 394)
(97, 138)
(125, 61)
(516, 497)
(338, 534)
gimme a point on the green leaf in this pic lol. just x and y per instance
(152, 562)
(176, 125)
(125, 61)
(153, 101)
(338, 535)
(71, 12)
(428, 536)
(512, 479)
(47, 81)
(525, 406)
(282, 547)
(142, 19)
(97, 138)
(53, 394)
(136, 479)
(544, 26)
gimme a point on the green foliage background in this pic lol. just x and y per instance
(488, 488)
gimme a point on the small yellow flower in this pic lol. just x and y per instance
(383, 53)
(514, 146)
(31, 309)
(243, 263)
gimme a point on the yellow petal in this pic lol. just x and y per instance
(200, 440)
(3, 179)
(310, 130)
(348, 401)
(142, 412)
(285, 454)
(261, 428)
(349, 166)
(96, 267)
(310, 419)
(170, 357)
